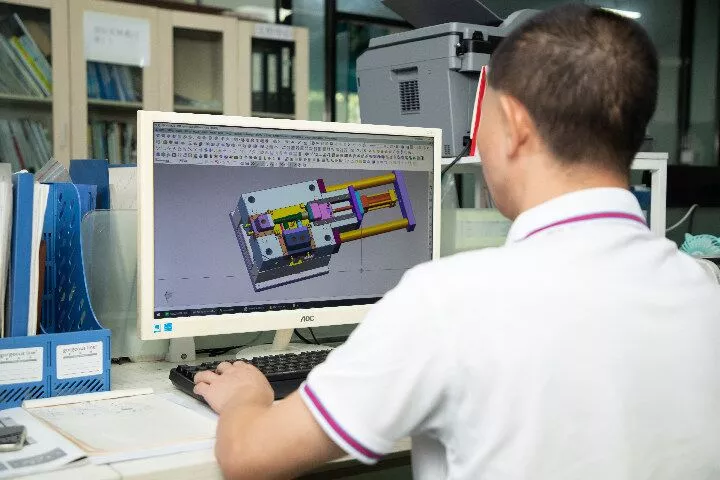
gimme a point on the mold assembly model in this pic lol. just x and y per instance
(288, 234)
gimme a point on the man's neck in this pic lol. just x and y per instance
(568, 180)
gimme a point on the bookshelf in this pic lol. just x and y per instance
(10, 99)
(98, 104)
(34, 97)
(105, 95)
(202, 62)
(199, 63)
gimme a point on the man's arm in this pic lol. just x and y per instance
(257, 439)
(388, 381)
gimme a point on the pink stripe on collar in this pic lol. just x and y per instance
(589, 216)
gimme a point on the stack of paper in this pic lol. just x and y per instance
(44, 449)
(123, 188)
(125, 425)
(24, 278)
(5, 232)
(40, 199)
(53, 172)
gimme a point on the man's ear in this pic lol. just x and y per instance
(519, 126)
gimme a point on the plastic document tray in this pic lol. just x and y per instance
(73, 354)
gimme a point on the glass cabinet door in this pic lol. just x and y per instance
(33, 113)
(273, 86)
(274, 69)
(115, 86)
(203, 63)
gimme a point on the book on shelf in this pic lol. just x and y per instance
(24, 144)
(107, 81)
(108, 87)
(26, 68)
(118, 84)
(112, 141)
(40, 33)
(93, 86)
(15, 76)
(31, 66)
(128, 151)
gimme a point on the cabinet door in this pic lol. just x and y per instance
(198, 52)
(34, 87)
(107, 92)
(273, 64)
(301, 68)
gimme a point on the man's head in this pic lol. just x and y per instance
(571, 92)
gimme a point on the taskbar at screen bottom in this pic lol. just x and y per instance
(269, 307)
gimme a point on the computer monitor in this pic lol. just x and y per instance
(254, 224)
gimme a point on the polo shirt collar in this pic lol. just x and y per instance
(580, 206)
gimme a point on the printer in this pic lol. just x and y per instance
(428, 77)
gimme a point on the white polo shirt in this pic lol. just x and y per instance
(586, 348)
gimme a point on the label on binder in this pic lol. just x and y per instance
(21, 365)
(79, 360)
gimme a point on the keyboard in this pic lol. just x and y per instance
(285, 372)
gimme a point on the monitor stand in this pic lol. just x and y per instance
(182, 350)
(281, 345)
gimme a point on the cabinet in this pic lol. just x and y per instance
(196, 63)
(34, 84)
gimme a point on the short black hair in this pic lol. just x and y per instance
(589, 79)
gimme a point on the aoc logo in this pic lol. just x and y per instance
(307, 318)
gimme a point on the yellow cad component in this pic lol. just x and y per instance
(294, 261)
(351, 235)
(382, 200)
(363, 184)
(293, 213)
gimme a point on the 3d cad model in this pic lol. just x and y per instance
(289, 233)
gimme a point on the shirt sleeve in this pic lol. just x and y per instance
(390, 379)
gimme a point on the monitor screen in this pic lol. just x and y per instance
(262, 219)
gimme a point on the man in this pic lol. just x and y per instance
(586, 348)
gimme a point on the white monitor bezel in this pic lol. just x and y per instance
(257, 321)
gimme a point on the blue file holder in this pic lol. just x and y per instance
(70, 329)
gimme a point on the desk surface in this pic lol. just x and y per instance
(198, 465)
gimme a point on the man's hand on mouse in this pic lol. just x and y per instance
(233, 383)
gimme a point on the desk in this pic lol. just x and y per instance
(198, 465)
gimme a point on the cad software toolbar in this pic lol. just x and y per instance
(255, 147)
